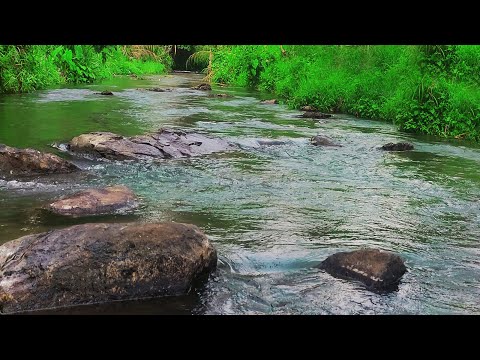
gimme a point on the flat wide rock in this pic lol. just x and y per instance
(377, 269)
(108, 200)
(102, 262)
(165, 144)
(14, 161)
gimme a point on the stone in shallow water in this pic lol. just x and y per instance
(379, 270)
(204, 87)
(157, 89)
(14, 161)
(308, 108)
(397, 147)
(270, 102)
(102, 262)
(109, 200)
(164, 144)
(104, 93)
(315, 115)
(222, 95)
(320, 140)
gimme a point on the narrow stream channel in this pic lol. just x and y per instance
(271, 211)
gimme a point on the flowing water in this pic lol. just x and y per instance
(271, 211)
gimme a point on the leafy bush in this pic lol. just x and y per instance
(432, 89)
(25, 68)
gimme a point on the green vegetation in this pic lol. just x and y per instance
(431, 89)
(427, 89)
(25, 68)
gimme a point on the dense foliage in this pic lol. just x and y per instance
(25, 68)
(424, 89)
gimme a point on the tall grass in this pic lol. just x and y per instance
(423, 89)
(25, 68)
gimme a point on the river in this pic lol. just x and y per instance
(271, 211)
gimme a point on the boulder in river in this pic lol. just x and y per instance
(320, 140)
(203, 86)
(270, 102)
(112, 199)
(14, 161)
(315, 115)
(397, 147)
(102, 262)
(379, 270)
(164, 144)
(104, 93)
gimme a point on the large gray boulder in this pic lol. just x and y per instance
(108, 200)
(164, 144)
(14, 161)
(102, 262)
(379, 270)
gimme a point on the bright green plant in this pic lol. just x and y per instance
(432, 89)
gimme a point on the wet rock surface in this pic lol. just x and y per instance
(220, 95)
(156, 89)
(315, 115)
(269, 102)
(104, 93)
(108, 200)
(320, 140)
(102, 262)
(308, 108)
(165, 144)
(397, 146)
(203, 87)
(378, 270)
(14, 161)
(271, 142)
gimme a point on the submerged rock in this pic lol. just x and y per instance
(270, 142)
(112, 199)
(157, 89)
(379, 270)
(271, 102)
(102, 262)
(164, 144)
(104, 93)
(220, 95)
(397, 147)
(203, 86)
(14, 161)
(320, 140)
(315, 115)
(308, 108)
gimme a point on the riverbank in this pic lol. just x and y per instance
(432, 90)
(25, 68)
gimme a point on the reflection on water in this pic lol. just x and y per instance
(272, 211)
